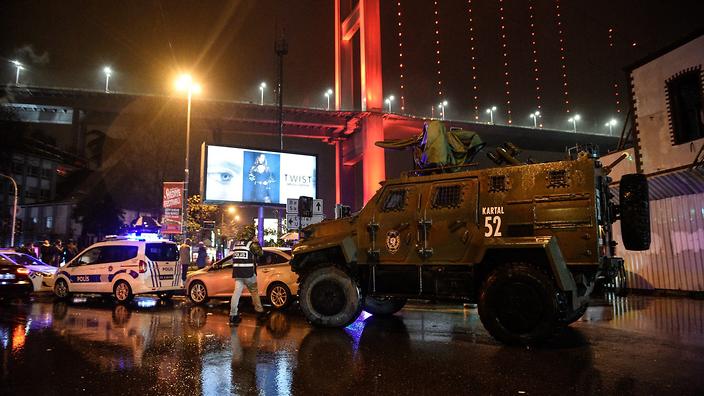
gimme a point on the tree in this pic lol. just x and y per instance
(198, 212)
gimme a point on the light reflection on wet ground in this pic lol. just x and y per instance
(633, 345)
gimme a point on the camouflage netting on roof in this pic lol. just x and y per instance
(438, 147)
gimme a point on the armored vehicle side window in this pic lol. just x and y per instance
(498, 183)
(447, 197)
(395, 200)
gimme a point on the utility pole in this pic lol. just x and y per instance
(281, 48)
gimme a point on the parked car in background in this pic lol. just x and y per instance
(41, 273)
(274, 276)
(14, 280)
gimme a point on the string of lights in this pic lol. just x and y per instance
(504, 49)
(473, 60)
(436, 25)
(534, 52)
(401, 61)
(616, 87)
(563, 55)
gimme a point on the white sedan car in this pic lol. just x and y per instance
(41, 274)
(275, 279)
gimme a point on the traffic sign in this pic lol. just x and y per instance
(292, 221)
(306, 221)
(291, 205)
(317, 207)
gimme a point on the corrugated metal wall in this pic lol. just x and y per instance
(675, 259)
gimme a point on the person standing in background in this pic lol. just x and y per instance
(45, 252)
(57, 253)
(184, 258)
(202, 255)
(70, 251)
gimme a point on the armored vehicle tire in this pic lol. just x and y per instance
(329, 297)
(574, 315)
(517, 304)
(383, 306)
(635, 212)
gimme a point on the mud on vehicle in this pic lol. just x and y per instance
(526, 242)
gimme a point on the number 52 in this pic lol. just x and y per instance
(492, 224)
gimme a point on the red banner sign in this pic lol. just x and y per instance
(173, 203)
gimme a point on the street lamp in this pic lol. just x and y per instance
(19, 67)
(14, 210)
(389, 100)
(442, 106)
(108, 72)
(574, 120)
(611, 124)
(261, 89)
(327, 95)
(491, 111)
(185, 83)
(535, 116)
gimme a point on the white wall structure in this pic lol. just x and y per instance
(669, 140)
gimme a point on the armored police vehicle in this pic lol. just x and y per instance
(526, 242)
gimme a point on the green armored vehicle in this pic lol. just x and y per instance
(526, 242)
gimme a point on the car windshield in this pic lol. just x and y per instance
(162, 251)
(24, 259)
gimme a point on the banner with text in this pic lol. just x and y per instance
(173, 203)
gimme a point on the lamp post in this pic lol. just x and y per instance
(491, 111)
(535, 116)
(261, 90)
(327, 95)
(574, 120)
(108, 72)
(442, 106)
(185, 83)
(14, 209)
(611, 124)
(389, 100)
(19, 67)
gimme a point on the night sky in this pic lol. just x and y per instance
(229, 48)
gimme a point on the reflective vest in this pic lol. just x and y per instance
(243, 261)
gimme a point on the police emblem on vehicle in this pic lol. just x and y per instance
(393, 241)
(240, 255)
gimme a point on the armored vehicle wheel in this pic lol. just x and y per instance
(383, 306)
(329, 297)
(517, 304)
(574, 315)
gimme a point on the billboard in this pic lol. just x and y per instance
(172, 203)
(231, 174)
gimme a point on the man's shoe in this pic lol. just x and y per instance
(234, 320)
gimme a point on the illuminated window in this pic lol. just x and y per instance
(447, 197)
(684, 100)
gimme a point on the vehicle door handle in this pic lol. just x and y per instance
(266, 270)
(402, 226)
(457, 224)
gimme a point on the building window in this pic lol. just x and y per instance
(684, 102)
(49, 222)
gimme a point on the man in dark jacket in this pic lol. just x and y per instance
(244, 269)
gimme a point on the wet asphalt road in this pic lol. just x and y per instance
(635, 345)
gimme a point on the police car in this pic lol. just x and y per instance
(41, 274)
(122, 267)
